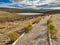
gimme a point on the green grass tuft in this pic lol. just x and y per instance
(13, 35)
(29, 27)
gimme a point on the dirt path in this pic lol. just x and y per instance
(38, 35)
(56, 20)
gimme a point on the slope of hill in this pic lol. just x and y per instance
(10, 17)
(10, 22)
(6, 14)
(15, 10)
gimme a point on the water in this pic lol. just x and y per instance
(30, 13)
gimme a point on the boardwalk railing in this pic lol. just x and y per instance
(49, 38)
(18, 39)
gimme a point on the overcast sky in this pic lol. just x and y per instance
(33, 4)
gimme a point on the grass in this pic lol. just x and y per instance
(49, 20)
(29, 27)
(37, 20)
(9, 28)
(13, 35)
(52, 28)
(53, 31)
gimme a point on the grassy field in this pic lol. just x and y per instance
(10, 22)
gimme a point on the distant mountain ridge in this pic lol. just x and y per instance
(15, 10)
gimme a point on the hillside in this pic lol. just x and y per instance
(15, 10)
(10, 17)
(4, 14)
(10, 22)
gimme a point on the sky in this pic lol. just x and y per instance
(31, 4)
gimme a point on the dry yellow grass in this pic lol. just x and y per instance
(7, 14)
(16, 25)
(52, 28)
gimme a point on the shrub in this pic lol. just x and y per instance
(49, 20)
(28, 28)
(13, 35)
(51, 26)
(37, 20)
(53, 31)
(30, 24)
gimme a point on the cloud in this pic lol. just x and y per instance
(34, 4)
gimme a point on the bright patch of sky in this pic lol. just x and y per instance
(5, 1)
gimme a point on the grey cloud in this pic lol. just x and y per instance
(17, 0)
